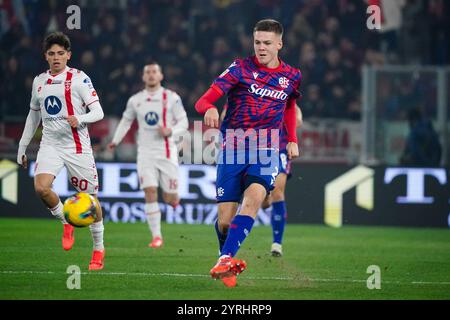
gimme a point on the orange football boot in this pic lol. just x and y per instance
(229, 281)
(68, 237)
(156, 243)
(227, 267)
(97, 260)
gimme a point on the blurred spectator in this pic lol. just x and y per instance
(194, 40)
(423, 148)
(415, 33)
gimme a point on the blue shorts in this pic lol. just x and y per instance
(233, 177)
(285, 163)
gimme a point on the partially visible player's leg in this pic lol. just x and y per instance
(239, 229)
(167, 171)
(225, 213)
(97, 228)
(97, 231)
(171, 198)
(153, 214)
(278, 217)
(148, 178)
(43, 187)
(242, 223)
(258, 180)
(48, 165)
(229, 190)
(267, 202)
(225, 266)
(83, 176)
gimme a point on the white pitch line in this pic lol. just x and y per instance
(191, 275)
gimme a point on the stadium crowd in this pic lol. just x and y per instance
(194, 40)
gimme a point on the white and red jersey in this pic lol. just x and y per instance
(57, 96)
(153, 109)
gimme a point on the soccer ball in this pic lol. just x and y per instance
(80, 210)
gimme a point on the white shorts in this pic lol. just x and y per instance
(155, 172)
(81, 167)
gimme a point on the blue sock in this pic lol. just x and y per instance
(240, 227)
(220, 236)
(278, 220)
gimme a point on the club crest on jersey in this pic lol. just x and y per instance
(52, 105)
(284, 82)
(67, 84)
(151, 118)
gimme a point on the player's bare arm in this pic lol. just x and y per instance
(292, 150)
(211, 118)
(205, 105)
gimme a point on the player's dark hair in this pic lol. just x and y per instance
(269, 25)
(152, 62)
(58, 38)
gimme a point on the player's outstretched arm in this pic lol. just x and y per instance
(124, 125)
(205, 106)
(31, 125)
(122, 129)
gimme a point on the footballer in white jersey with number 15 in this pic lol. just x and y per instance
(61, 97)
(160, 115)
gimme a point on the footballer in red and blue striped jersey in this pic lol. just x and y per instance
(261, 94)
(257, 98)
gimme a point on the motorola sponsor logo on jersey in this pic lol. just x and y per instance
(151, 118)
(52, 105)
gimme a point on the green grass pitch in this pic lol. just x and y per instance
(319, 263)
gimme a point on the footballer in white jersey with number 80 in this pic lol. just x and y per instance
(161, 116)
(61, 97)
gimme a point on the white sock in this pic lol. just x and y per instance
(153, 218)
(58, 213)
(97, 235)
